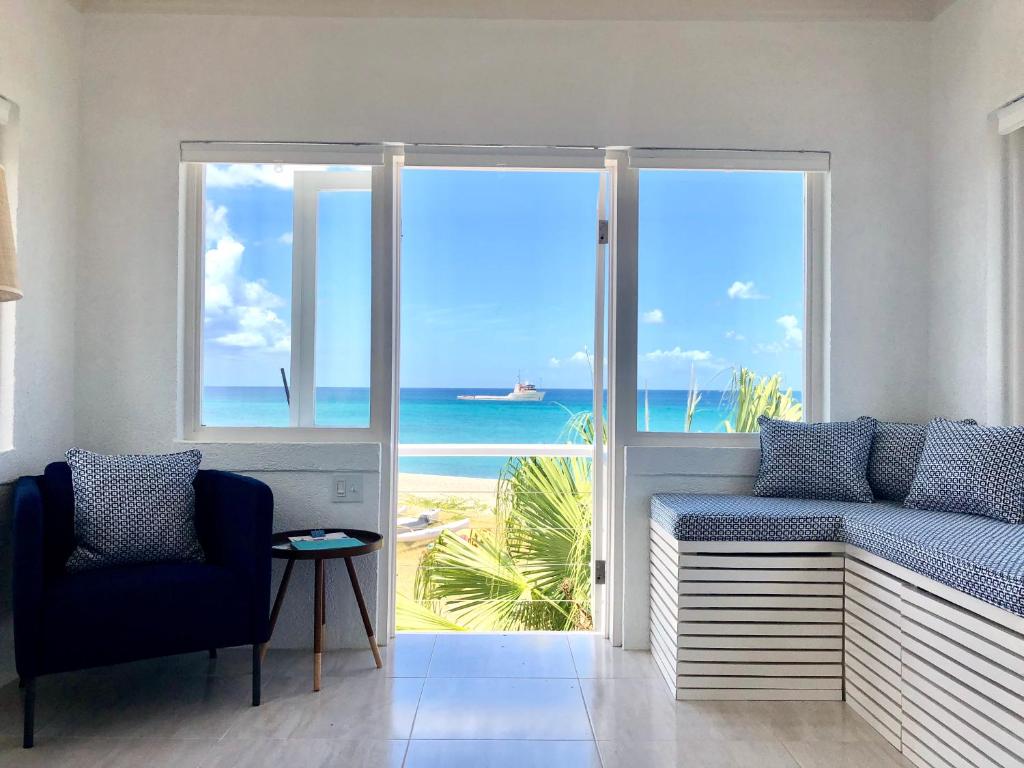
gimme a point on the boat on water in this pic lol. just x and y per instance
(523, 392)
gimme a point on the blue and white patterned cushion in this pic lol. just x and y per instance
(895, 451)
(978, 556)
(706, 517)
(133, 509)
(815, 461)
(971, 469)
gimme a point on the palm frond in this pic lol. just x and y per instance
(412, 616)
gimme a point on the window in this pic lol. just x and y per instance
(285, 294)
(722, 301)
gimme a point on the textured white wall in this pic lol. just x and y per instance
(977, 64)
(40, 43)
(856, 89)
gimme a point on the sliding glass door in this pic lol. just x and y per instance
(501, 395)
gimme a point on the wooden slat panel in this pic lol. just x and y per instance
(759, 602)
(761, 655)
(743, 641)
(767, 694)
(875, 622)
(834, 629)
(922, 756)
(760, 588)
(881, 689)
(955, 632)
(873, 589)
(762, 562)
(664, 553)
(781, 683)
(915, 653)
(954, 712)
(953, 739)
(754, 574)
(772, 615)
(883, 640)
(964, 656)
(877, 607)
(970, 620)
(687, 668)
(944, 678)
(856, 689)
(760, 547)
(858, 707)
(667, 571)
(883, 580)
(663, 538)
(872, 649)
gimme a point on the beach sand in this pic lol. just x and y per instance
(455, 497)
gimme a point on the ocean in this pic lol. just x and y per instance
(438, 416)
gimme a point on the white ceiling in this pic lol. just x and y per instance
(614, 10)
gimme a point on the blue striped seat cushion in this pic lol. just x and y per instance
(707, 517)
(978, 556)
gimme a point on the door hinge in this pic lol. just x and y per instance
(599, 571)
(602, 232)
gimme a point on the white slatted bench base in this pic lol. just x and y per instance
(937, 673)
(748, 621)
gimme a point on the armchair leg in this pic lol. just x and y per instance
(30, 713)
(257, 659)
(213, 653)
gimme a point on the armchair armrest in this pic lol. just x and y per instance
(28, 574)
(235, 518)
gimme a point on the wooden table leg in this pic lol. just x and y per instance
(362, 611)
(318, 621)
(278, 600)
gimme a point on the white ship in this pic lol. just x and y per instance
(523, 391)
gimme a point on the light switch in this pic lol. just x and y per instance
(347, 487)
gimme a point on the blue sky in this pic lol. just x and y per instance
(498, 275)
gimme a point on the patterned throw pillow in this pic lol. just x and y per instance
(895, 451)
(972, 469)
(133, 509)
(815, 461)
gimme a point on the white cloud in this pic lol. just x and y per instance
(741, 290)
(238, 312)
(576, 357)
(228, 176)
(287, 238)
(692, 355)
(735, 336)
(793, 335)
(653, 317)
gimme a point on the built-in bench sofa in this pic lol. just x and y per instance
(915, 618)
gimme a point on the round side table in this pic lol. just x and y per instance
(281, 548)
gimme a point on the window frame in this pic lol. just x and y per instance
(816, 168)
(194, 157)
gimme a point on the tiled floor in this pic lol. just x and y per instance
(485, 701)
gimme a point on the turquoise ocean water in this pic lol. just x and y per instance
(438, 416)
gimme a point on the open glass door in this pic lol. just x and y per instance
(501, 483)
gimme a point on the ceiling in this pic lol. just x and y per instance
(597, 10)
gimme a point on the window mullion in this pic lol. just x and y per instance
(303, 331)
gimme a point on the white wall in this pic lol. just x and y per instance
(977, 64)
(856, 89)
(40, 42)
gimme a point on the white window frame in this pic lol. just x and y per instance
(816, 168)
(192, 219)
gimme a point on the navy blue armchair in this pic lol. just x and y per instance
(68, 621)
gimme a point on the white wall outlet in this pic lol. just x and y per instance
(347, 488)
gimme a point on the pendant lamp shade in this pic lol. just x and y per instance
(9, 288)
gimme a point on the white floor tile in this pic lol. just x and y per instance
(524, 655)
(595, 657)
(695, 753)
(501, 708)
(502, 754)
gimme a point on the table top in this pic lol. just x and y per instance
(281, 547)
